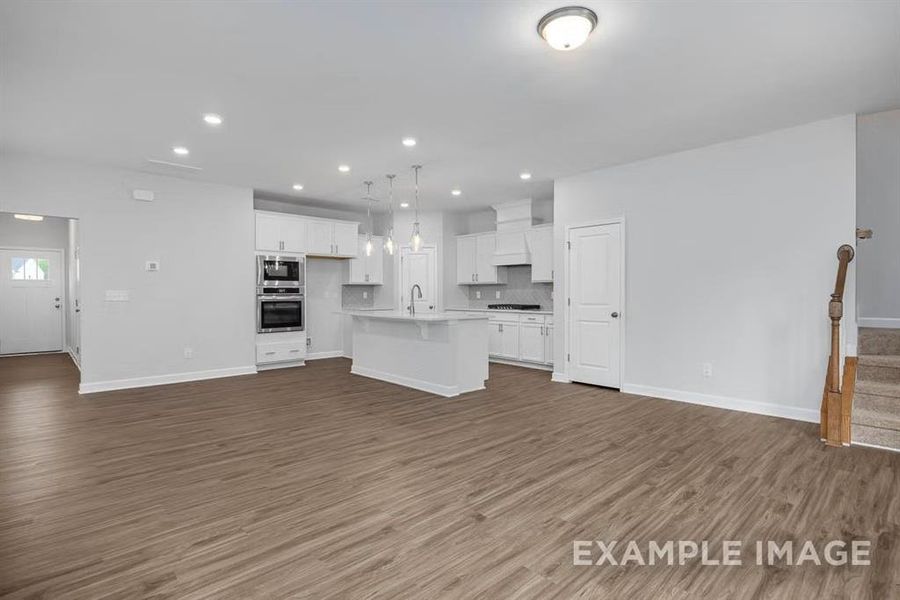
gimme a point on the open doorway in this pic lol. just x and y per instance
(40, 277)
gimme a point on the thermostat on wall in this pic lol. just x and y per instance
(153, 265)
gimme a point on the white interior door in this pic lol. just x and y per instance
(595, 297)
(419, 268)
(31, 301)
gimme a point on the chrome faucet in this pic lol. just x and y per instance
(412, 299)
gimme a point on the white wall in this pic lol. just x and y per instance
(202, 298)
(49, 233)
(878, 189)
(323, 305)
(730, 259)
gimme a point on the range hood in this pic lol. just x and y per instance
(514, 221)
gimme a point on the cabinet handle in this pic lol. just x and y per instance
(295, 350)
(542, 330)
(270, 353)
(501, 327)
(476, 276)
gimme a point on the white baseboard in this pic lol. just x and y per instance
(560, 377)
(74, 358)
(447, 391)
(751, 406)
(280, 365)
(884, 323)
(519, 363)
(328, 354)
(864, 445)
(123, 384)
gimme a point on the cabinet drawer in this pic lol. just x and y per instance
(268, 352)
(539, 319)
(503, 318)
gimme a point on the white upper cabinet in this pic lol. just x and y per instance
(345, 236)
(280, 233)
(268, 232)
(306, 235)
(540, 245)
(366, 270)
(321, 238)
(473, 260)
(465, 260)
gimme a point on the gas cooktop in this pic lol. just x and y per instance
(514, 306)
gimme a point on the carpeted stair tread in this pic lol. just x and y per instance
(876, 436)
(878, 388)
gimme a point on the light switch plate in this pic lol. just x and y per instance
(117, 296)
(365, 295)
(478, 294)
(497, 294)
(153, 265)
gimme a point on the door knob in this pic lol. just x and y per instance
(77, 310)
(615, 315)
(57, 305)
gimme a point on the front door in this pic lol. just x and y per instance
(595, 297)
(418, 268)
(31, 301)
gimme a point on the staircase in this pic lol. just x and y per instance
(876, 403)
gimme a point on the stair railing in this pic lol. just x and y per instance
(837, 402)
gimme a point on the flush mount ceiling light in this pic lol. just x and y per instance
(409, 142)
(344, 168)
(29, 217)
(298, 186)
(212, 119)
(180, 150)
(456, 192)
(524, 176)
(567, 28)
(404, 205)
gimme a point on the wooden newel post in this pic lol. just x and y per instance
(835, 405)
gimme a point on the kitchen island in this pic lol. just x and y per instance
(442, 353)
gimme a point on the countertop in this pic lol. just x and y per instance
(393, 315)
(501, 311)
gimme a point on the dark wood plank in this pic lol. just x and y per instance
(313, 483)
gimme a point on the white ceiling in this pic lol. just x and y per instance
(304, 86)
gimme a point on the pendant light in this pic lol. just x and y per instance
(369, 245)
(416, 240)
(389, 240)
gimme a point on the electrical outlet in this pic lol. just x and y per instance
(365, 295)
(478, 294)
(706, 369)
(189, 353)
(497, 294)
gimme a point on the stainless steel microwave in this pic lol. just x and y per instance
(280, 271)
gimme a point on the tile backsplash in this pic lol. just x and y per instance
(518, 290)
(352, 296)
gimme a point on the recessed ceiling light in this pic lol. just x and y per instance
(29, 217)
(524, 176)
(212, 119)
(567, 28)
(298, 186)
(344, 168)
(181, 150)
(409, 142)
(456, 192)
(404, 205)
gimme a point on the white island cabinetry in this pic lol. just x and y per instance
(445, 354)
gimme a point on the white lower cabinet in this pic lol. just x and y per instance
(522, 338)
(280, 351)
(531, 342)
